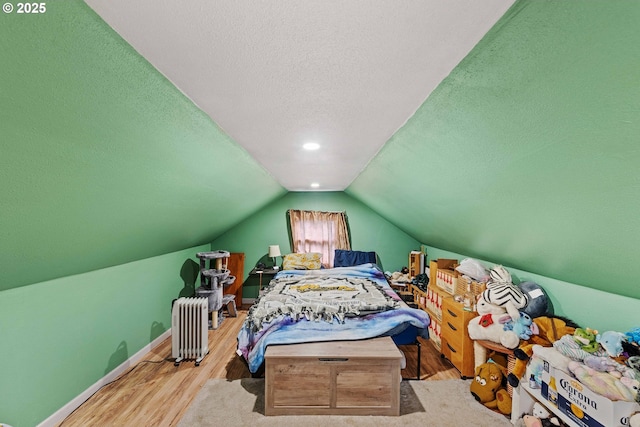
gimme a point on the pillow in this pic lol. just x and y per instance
(310, 261)
(344, 258)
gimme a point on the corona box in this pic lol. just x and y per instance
(579, 404)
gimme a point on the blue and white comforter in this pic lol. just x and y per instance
(338, 304)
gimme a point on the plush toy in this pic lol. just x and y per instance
(489, 317)
(633, 335)
(485, 307)
(597, 351)
(539, 417)
(502, 292)
(528, 421)
(537, 300)
(612, 366)
(633, 385)
(490, 327)
(489, 389)
(611, 341)
(533, 421)
(605, 364)
(523, 327)
(550, 329)
(580, 348)
(634, 420)
(540, 411)
(553, 356)
(602, 383)
(573, 348)
(586, 338)
(634, 363)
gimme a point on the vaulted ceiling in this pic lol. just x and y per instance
(275, 75)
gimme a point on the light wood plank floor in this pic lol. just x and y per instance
(158, 394)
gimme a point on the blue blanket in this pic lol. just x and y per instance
(391, 319)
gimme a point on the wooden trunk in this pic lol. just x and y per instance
(339, 378)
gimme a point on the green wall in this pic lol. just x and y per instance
(104, 161)
(591, 308)
(61, 336)
(527, 153)
(369, 232)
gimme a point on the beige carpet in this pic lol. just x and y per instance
(445, 403)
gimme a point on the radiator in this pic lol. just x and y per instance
(189, 329)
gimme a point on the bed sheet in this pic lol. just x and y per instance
(265, 326)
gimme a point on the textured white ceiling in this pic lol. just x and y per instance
(276, 74)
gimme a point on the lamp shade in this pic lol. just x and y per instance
(274, 251)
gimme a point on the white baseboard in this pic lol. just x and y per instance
(248, 301)
(62, 413)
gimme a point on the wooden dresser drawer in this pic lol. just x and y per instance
(455, 356)
(453, 315)
(454, 335)
(456, 344)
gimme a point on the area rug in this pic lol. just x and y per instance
(445, 403)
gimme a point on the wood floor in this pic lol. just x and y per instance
(156, 393)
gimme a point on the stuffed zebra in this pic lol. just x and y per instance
(502, 292)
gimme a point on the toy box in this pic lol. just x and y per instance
(581, 405)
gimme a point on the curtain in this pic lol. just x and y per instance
(323, 232)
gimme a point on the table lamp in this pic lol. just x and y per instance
(274, 251)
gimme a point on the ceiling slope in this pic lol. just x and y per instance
(104, 161)
(277, 74)
(527, 154)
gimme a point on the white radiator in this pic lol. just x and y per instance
(190, 329)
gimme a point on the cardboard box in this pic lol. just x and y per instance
(442, 273)
(581, 405)
(435, 333)
(434, 265)
(447, 280)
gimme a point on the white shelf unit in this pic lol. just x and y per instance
(523, 399)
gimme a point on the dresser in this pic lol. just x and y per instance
(456, 344)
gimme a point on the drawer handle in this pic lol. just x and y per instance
(451, 326)
(451, 348)
(333, 359)
(452, 313)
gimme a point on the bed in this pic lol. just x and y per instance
(335, 304)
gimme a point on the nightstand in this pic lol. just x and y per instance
(263, 271)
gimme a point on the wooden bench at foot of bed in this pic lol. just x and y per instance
(333, 378)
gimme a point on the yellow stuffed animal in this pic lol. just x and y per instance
(551, 329)
(488, 387)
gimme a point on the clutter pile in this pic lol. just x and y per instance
(588, 365)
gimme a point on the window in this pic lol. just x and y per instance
(323, 232)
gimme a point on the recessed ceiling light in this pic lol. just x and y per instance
(315, 185)
(311, 146)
